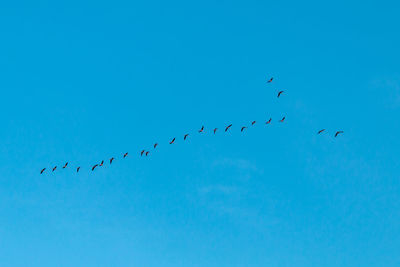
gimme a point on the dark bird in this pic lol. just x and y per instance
(320, 131)
(141, 152)
(280, 92)
(111, 160)
(77, 169)
(202, 129)
(65, 166)
(215, 130)
(338, 132)
(253, 122)
(185, 136)
(227, 127)
(282, 119)
(42, 170)
(269, 121)
(102, 162)
(126, 154)
(55, 167)
(94, 166)
(172, 141)
(270, 80)
(244, 127)
(155, 145)
(147, 153)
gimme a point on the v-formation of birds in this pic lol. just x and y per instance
(146, 153)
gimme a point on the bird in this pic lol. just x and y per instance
(270, 80)
(141, 153)
(244, 127)
(55, 167)
(253, 122)
(280, 92)
(65, 166)
(338, 132)
(269, 121)
(185, 136)
(215, 130)
(111, 160)
(227, 127)
(320, 131)
(94, 166)
(282, 119)
(202, 129)
(101, 164)
(155, 145)
(147, 153)
(77, 169)
(172, 141)
(126, 154)
(42, 170)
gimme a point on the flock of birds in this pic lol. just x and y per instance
(201, 130)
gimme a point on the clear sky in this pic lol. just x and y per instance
(82, 82)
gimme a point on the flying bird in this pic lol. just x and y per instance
(227, 127)
(253, 122)
(141, 153)
(155, 145)
(279, 94)
(42, 170)
(215, 130)
(320, 131)
(77, 169)
(101, 164)
(94, 166)
(244, 127)
(338, 132)
(269, 121)
(172, 141)
(282, 119)
(147, 153)
(185, 136)
(111, 160)
(65, 166)
(202, 129)
(55, 167)
(270, 80)
(126, 154)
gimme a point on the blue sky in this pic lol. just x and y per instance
(82, 82)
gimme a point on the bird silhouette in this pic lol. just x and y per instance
(269, 121)
(94, 166)
(42, 170)
(270, 80)
(141, 152)
(320, 131)
(253, 122)
(202, 129)
(172, 141)
(215, 130)
(111, 160)
(227, 127)
(77, 169)
(282, 119)
(185, 136)
(338, 132)
(55, 167)
(126, 154)
(101, 164)
(279, 94)
(244, 127)
(147, 153)
(155, 145)
(65, 166)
